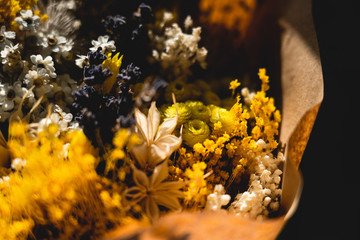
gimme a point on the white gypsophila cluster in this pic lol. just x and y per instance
(247, 95)
(217, 199)
(177, 51)
(263, 194)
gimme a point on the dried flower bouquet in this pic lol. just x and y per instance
(128, 127)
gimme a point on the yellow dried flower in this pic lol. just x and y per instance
(183, 110)
(264, 79)
(225, 117)
(57, 182)
(195, 131)
(199, 148)
(196, 193)
(234, 85)
(123, 138)
(198, 110)
(231, 14)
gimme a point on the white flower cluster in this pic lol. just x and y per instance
(28, 86)
(217, 199)
(263, 194)
(177, 51)
(247, 95)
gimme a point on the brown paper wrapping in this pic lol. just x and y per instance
(302, 93)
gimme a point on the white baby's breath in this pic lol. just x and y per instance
(217, 199)
(263, 194)
(177, 51)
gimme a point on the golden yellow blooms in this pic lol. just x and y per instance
(231, 14)
(123, 138)
(229, 148)
(195, 195)
(55, 187)
(234, 85)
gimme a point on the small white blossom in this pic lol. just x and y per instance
(188, 23)
(40, 79)
(18, 164)
(247, 95)
(5, 36)
(11, 60)
(8, 51)
(53, 42)
(217, 199)
(59, 118)
(28, 21)
(45, 63)
(103, 42)
(81, 61)
(10, 98)
(5, 180)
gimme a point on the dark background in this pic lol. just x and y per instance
(330, 202)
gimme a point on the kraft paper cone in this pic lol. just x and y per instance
(302, 93)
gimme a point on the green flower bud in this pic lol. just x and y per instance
(195, 131)
(184, 113)
(199, 110)
(222, 115)
(180, 89)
